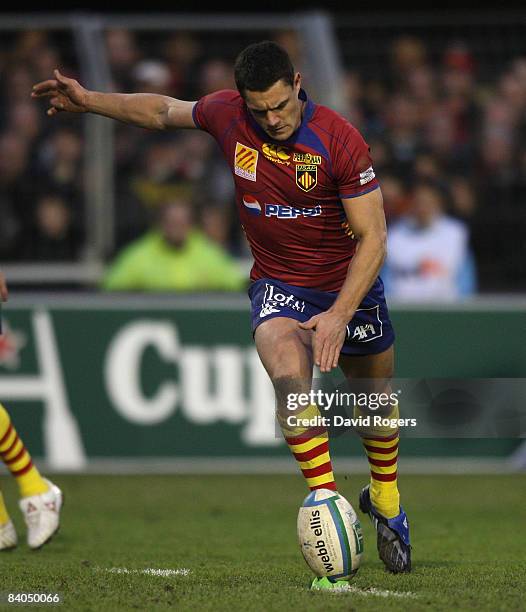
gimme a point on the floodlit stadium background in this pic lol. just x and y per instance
(175, 378)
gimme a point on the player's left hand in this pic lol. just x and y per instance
(4, 293)
(329, 335)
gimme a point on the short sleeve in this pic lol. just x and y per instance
(353, 165)
(213, 113)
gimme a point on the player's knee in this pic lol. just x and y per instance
(287, 387)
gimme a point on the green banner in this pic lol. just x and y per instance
(100, 379)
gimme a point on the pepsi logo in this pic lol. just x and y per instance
(252, 205)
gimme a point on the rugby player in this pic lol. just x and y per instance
(40, 499)
(312, 211)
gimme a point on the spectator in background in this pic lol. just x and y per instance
(458, 84)
(36, 160)
(463, 198)
(428, 256)
(174, 256)
(408, 54)
(15, 191)
(160, 176)
(396, 202)
(52, 236)
(216, 224)
(182, 52)
(123, 55)
(404, 134)
(24, 119)
(59, 164)
(216, 74)
(153, 76)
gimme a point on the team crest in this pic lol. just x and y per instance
(245, 162)
(306, 176)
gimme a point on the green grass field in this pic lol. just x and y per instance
(237, 537)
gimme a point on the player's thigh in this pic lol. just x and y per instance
(285, 350)
(380, 365)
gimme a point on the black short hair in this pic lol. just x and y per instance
(262, 64)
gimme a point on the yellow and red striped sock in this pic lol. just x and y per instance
(17, 459)
(4, 515)
(382, 453)
(310, 447)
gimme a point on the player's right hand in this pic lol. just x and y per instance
(65, 94)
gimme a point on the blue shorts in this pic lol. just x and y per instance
(369, 332)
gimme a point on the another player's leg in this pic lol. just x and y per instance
(380, 499)
(40, 499)
(8, 539)
(285, 351)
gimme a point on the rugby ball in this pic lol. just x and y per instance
(330, 535)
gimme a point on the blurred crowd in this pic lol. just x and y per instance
(41, 190)
(447, 136)
(447, 119)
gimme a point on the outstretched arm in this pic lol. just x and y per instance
(145, 110)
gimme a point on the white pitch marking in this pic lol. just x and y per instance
(349, 588)
(381, 592)
(165, 573)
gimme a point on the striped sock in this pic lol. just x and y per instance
(310, 447)
(382, 454)
(381, 446)
(18, 460)
(4, 515)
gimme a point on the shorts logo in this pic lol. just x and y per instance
(370, 327)
(245, 162)
(306, 176)
(274, 301)
(252, 205)
(307, 158)
(362, 331)
(276, 153)
(367, 176)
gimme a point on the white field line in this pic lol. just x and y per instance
(381, 592)
(166, 573)
(371, 591)
(150, 571)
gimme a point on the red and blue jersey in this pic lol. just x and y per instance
(289, 192)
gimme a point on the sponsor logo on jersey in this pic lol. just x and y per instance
(307, 158)
(306, 176)
(245, 162)
(252, 205)
(367, 176)
(283, 211)
(274, 300)
(276, 153)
